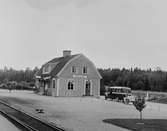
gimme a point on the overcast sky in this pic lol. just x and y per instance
(111, 33)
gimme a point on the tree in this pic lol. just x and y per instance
(140, 85)
(136, 79)
(147, 84)
(139, 104)
(119, 81)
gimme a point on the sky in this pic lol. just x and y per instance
(111, 33)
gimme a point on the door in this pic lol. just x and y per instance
(87, 88)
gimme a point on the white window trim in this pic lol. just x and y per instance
(46, 72)
(77, 69)
(83, 70)
(74, 69)
(70, 80)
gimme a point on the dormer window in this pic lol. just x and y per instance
(85, 70)
(46, 69)
(73, 69)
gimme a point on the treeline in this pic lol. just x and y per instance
(136, 79)
(18, 79)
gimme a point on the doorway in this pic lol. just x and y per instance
(87, 88)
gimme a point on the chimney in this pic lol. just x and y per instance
(66, 53)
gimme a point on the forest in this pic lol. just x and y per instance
(17, 79)
(135, 78)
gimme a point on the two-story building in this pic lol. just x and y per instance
(69, 75)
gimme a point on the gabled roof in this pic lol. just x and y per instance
(60, 63)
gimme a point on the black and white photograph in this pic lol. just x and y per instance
(83, 65)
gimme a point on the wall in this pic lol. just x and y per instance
(79, 78)
(79, 63)
(78, 89)
(95, 87)
(54, 90)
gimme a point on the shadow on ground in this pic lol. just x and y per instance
(140, 125)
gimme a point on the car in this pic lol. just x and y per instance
(119, 94)
(129, 99)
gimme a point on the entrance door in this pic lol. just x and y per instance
(87, 88)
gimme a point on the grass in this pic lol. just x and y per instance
(161, 100)
(158, 97)
(138, 125)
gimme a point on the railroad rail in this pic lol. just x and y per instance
(25, 121)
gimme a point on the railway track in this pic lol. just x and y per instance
(25, 121)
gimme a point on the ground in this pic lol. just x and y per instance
(5, 125)
(80, 113)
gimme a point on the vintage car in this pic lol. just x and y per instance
(123, 94)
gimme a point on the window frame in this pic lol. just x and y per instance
(73, 69)
(46, 69)
(70, 85)
(85, 70)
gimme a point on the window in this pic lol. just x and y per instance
(73, 69)
(46, 69)
(85, 70)
(70, 85)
